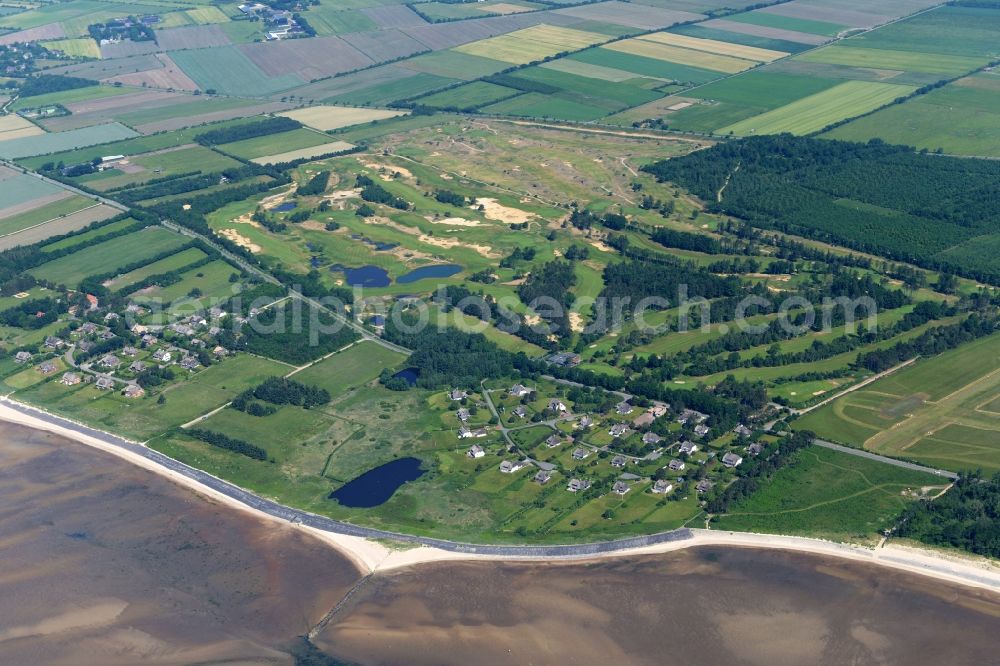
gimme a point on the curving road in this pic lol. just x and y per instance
(338, 527)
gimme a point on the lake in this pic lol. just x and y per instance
(437, 271)
(377, 485)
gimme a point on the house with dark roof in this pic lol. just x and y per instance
(677, 465)
(580, 454)
(511, 466)
(732, 459)
(619, 430)
(662, 487)
(651, 438)
(577, 485)
(620, 488)
(543, 476)
(688, 447)
(619, 461)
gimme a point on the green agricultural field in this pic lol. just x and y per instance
(70, 96)
(43, 214)
(532, 44)
(682, 56)
(160, 164)
(208, 282)
(45, 144)
(946, 30)
(642, 66)
(594, 92)
(537, 105)
(351, 368)
(464, 66)
(87, 236)
(962, 118)
(196, 106)
(470, 95)
(75, 14)
(740, 97)
(274, 144)
(769, 20)
(83, 47)
(936, 411)
(104, 257)
(333, 19)
(830, 495)
(417, 84)
(906, 61)
(228, 71)
(812, 113)
(129, 146)
(696, 30)
(167, 265)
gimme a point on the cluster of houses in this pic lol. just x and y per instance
(694, 423)
(280, 23)
(179, 343)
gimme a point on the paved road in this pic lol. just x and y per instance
(329, 525)
(888, 461)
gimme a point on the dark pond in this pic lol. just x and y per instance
(377, 485)
(424, 272)
(409, 374)
(365, 276)
(285, 207)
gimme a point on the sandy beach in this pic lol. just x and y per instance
(371, 556)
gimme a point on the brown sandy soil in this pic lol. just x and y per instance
(239, 239)
(386, 171)
(494, 210)
(706, 606)
(106, 564)
(168, 76)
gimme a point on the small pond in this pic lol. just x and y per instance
(365, 276)
(409, 374)
(424, 272)
(285, 207)
(377, 485)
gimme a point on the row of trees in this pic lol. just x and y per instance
(228, 443)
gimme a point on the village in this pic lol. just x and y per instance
(116, 353)
(626, 446)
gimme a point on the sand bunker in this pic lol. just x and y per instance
(242, 241)
(495, 210)
(455, 222)
(386, 171)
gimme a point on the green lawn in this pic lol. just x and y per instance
(350, 368)
(273, 144)
(813, 113)
(104, 257)
(828, 494)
